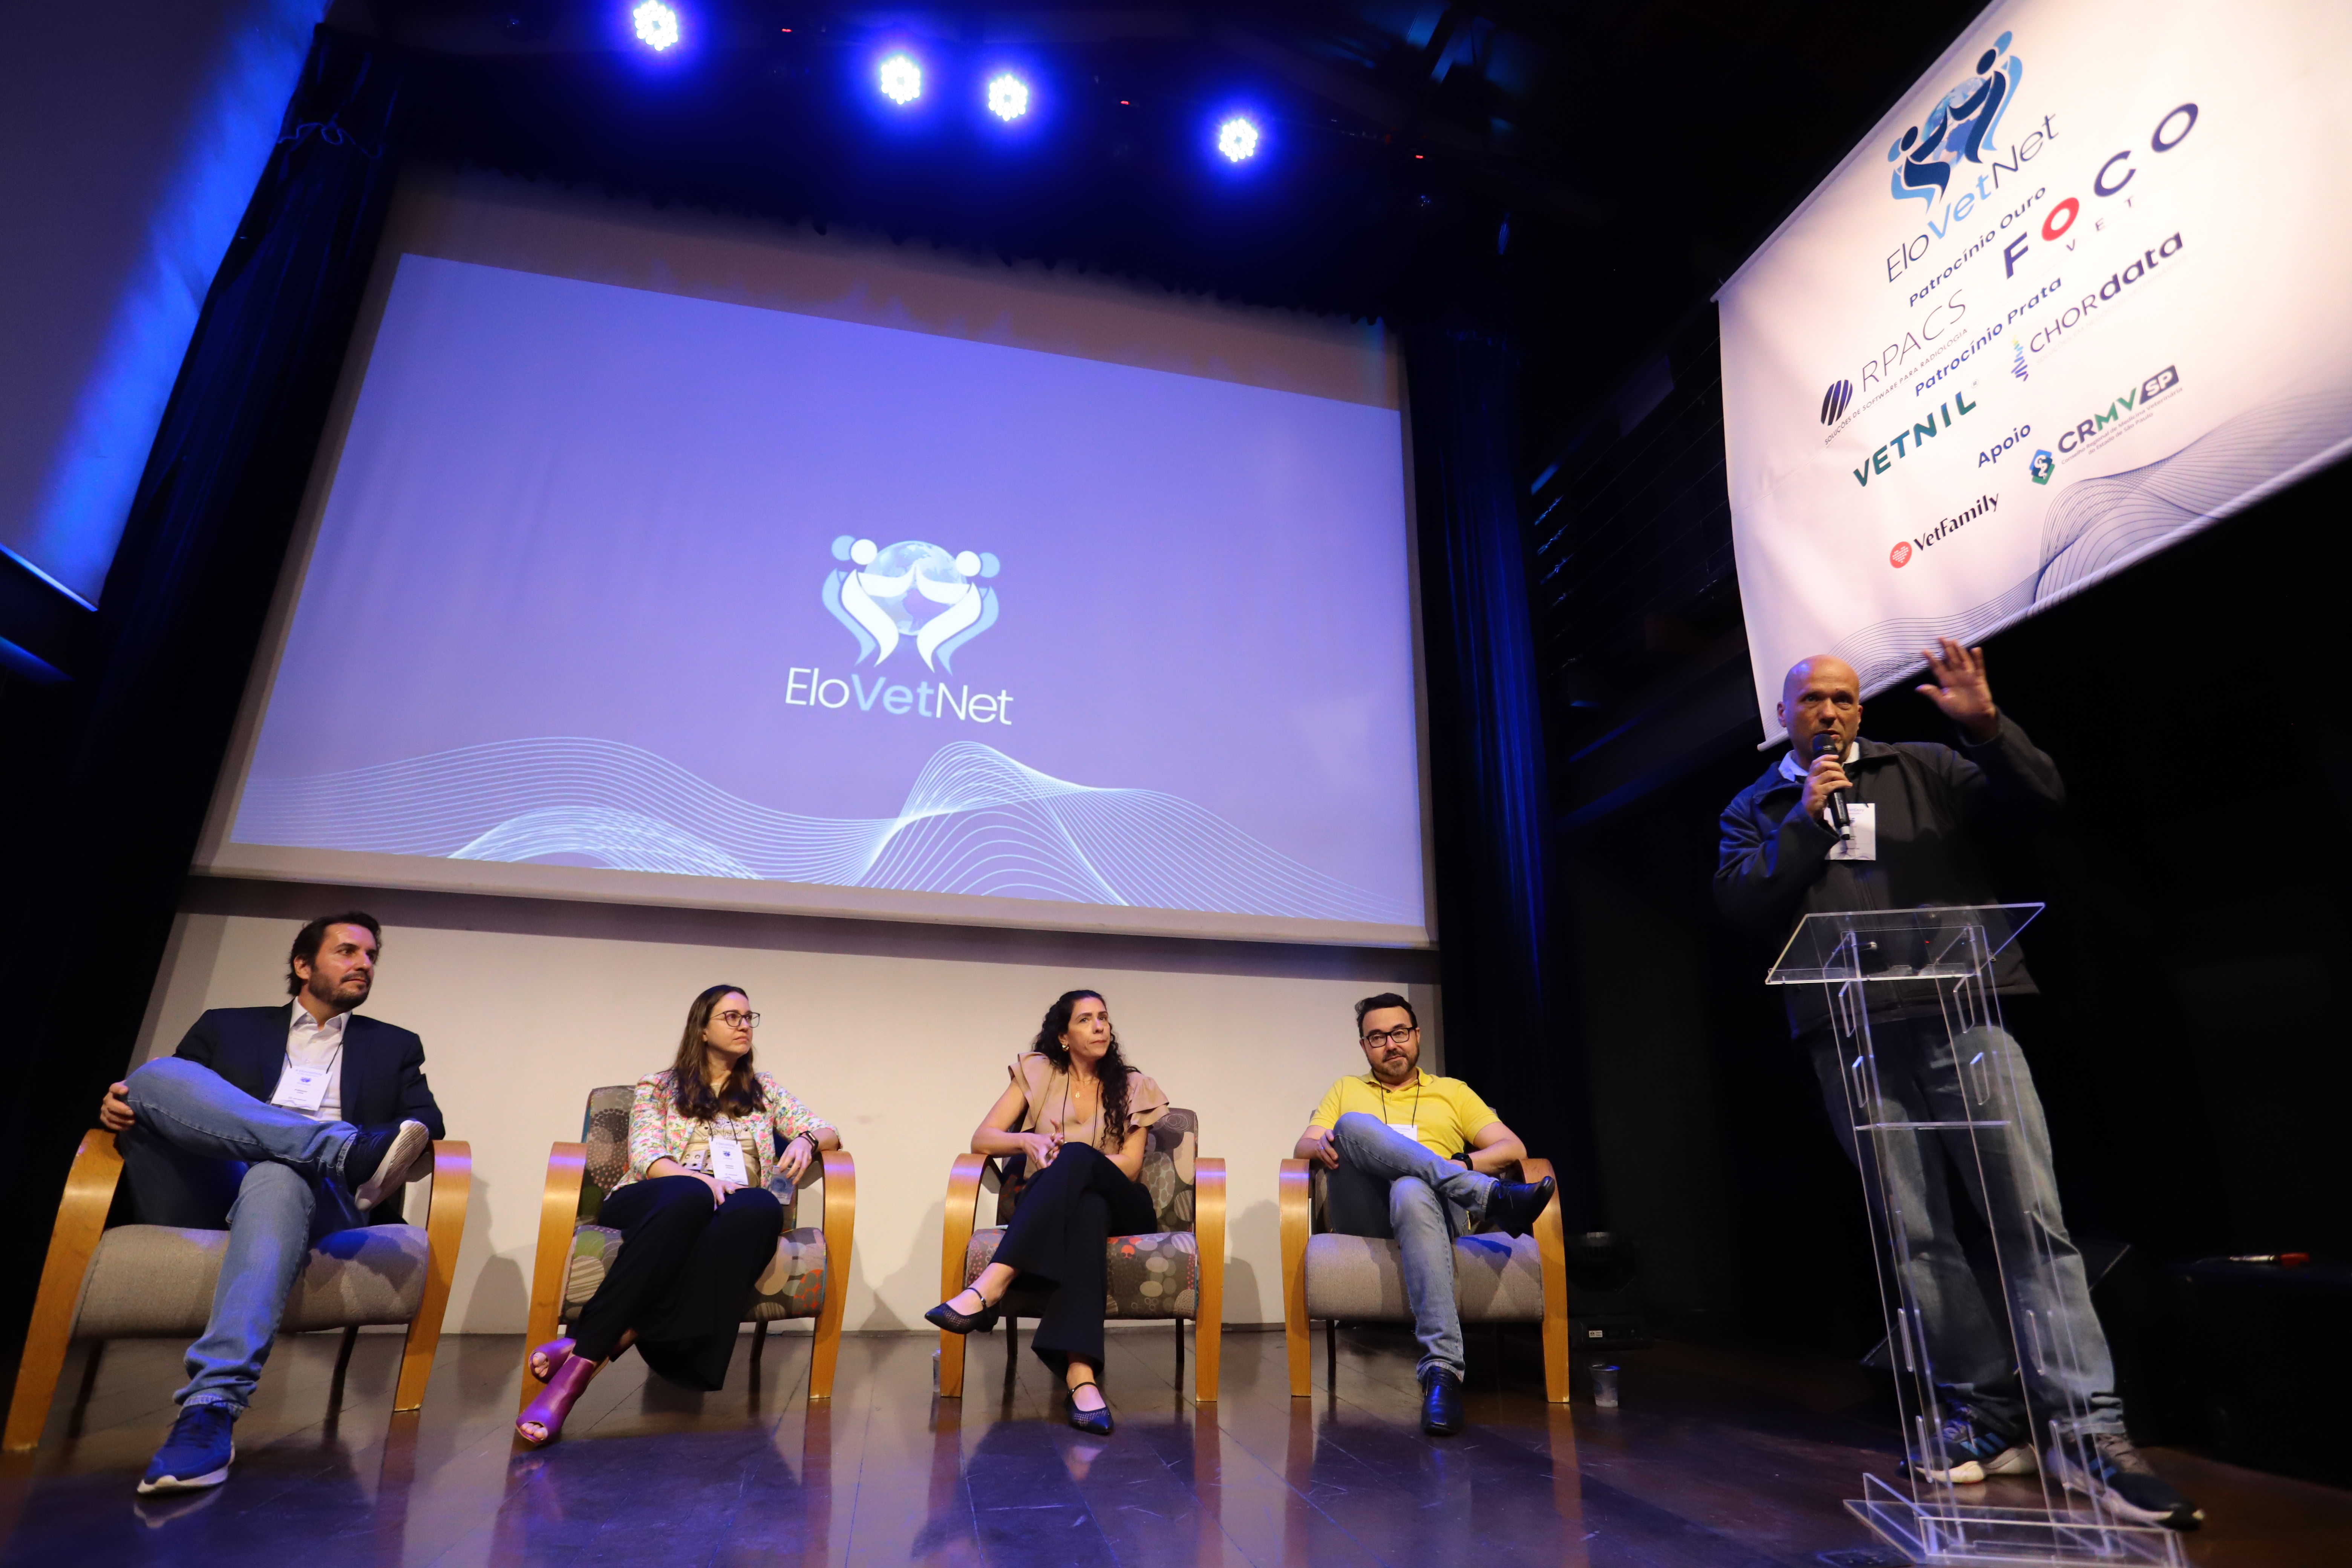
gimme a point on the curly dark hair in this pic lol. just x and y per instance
(1113, 1070)
(741, 1095)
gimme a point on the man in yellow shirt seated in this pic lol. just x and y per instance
(1411, 1159)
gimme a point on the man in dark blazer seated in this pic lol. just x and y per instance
(279, 1125)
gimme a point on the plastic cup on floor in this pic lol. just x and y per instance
(1604, 1386)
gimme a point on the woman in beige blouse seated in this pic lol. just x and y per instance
(696, 1221)
(1074, 1116)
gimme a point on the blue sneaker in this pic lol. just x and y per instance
(1976, 1451)
(197, 1454)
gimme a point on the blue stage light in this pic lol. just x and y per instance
(1237, 139)
(902, 79)
(1008, 97)
(657, 24)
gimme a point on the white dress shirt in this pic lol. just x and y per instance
(311, 1044)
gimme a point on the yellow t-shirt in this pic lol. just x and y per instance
(1443, 1111)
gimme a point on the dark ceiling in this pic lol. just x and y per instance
(1636, 152)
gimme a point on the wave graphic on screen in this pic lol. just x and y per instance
(976, 822)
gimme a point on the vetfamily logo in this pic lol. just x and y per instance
(1948, 526)
(910, 590)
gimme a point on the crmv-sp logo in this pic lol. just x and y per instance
(2087, 430)
(910, 590)
(1835, 400)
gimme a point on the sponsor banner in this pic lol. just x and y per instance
(2079, 294)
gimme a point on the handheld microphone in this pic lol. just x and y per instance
(1825, 743)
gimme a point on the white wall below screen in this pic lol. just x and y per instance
(903, 1053)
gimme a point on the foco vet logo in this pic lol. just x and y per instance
(910, 590)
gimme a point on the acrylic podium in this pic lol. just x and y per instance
(1926, 961)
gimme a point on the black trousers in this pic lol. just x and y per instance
(686, 1269)
(1056, 1242)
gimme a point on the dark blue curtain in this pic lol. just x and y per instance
(1506, 1030)
(109, 777)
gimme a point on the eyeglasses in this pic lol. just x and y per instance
(1397, 1035)
(739, 1020)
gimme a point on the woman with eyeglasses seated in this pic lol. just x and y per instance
(1072, 1119)
(697, 1220)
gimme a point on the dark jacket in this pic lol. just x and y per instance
(383, 1068)
(1773, 867)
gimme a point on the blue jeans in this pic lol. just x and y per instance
(195, 1128)
(1389, 1186)
(2067, 1371)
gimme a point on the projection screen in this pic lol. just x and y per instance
(659, 562)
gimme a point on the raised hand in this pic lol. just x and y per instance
(1959, 688)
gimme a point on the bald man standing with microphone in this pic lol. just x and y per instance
(1840, 824)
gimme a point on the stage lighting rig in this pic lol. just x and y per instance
(1008, 97)
(901, 79)
(657, 26)
(1237, 140)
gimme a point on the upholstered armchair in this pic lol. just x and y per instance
(1496, 1278)
(808, 1279)
(1176, 1273)
(155, 1281)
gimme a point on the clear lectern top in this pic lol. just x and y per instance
(1932, 942)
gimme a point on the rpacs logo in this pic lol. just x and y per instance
(1835, 400)
(1955, 130)
(910, 590)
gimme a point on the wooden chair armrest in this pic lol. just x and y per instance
(81, 1219)
(444, 1230)
(840, 1235)
(1208, 1240)
(558, 1212)
(1297, 1206)
(1551, 1250)
(955, 1236)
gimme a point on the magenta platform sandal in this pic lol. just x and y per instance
(554, 1402)
(555, 1352)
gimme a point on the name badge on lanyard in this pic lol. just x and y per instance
(303, 1088)
(726, 1156)
(1410, 1129)
(1861, 842)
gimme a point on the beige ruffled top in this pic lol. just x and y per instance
(1047, 1090)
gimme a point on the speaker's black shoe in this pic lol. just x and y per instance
(955, 1323)
(1095, 1421)
(1512, 1206)
(1441, 1403)
(378, 1158)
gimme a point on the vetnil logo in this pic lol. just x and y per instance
(1903, 443)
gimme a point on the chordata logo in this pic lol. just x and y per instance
(2043, 465)
(1835, 400)
(1957, 129)
(910, 590)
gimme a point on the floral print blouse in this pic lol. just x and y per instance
(658, 1130)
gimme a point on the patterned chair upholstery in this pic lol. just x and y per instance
(1177, 1272)
(1356, 1278)
(574, 1251)
(156, 1281)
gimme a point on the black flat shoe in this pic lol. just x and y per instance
(955, 1323)
(1513, 1206)
(1097, 1422)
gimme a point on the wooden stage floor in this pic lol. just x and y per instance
(1717, 1460)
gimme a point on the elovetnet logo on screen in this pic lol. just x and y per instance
(911, 595)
